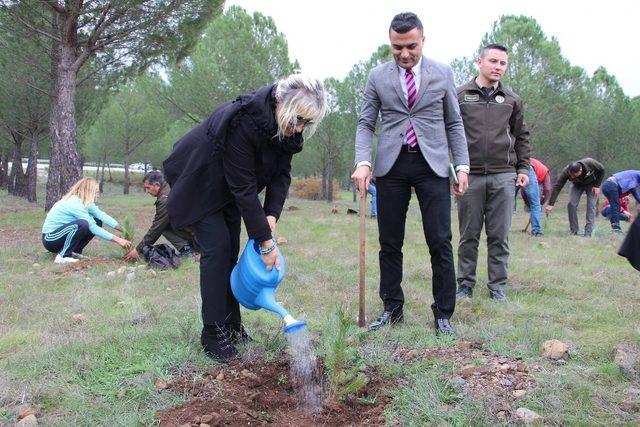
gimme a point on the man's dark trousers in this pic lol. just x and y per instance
(433, 193)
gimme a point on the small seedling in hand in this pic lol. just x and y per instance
(128, 229)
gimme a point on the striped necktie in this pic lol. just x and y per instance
(412, 138)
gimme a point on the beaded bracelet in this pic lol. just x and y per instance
(264, 251)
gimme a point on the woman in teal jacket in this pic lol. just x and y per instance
(74, 220)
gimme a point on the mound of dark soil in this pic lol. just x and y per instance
(257, 393)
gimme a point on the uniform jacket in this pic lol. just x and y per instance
(495, 129)
(435, 117)
(160, 220)
(230, 158)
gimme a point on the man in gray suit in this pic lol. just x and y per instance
(420, 124)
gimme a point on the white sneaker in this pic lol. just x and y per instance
(76, 255)
(64, 260)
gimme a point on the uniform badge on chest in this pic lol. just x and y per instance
(472, 98)
(499, 99)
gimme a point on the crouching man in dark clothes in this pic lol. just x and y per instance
(182, 240)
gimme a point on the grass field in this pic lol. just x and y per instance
(137, 328)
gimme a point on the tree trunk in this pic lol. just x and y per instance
(109, 169)
(330, 180)
(4, 166)
(104, 162)
(17, 179)
(32, 171)
(54, 191)
(71, 166)
(323, 178)
(127, 177)
(98, 170)
(323, 185)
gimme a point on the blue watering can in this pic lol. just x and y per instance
(254, 287)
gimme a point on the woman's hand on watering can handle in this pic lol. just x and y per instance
(271, 259)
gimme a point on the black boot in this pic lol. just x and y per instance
(236, 333)
(216, 343)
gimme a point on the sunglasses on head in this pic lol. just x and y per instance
(299, 120)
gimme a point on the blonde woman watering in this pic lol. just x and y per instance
(74, 220)
(216, 172)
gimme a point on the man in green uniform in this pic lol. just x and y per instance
(155, 185)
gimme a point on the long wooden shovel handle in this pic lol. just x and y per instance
(363, 237)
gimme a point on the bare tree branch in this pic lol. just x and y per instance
(37, 30)
(53, 4)
(183, 111)
(44, 92)
(97, 70)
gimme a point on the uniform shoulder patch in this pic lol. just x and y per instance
(472, 98)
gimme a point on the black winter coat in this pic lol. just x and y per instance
(230, 158)
(630, 248)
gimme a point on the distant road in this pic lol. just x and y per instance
(116, 168)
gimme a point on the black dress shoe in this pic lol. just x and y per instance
(216, 343)
(464, 292)
(387, 318)
(498, 296)
(236, 333)
(443, 327)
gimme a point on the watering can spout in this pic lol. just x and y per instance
(292, 325)
(267, 299)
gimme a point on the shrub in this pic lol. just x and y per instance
(309, 188)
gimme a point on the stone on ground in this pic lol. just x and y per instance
(25, 411)
(28, 421)
(627, 357)
(556, 350)
(527, 416)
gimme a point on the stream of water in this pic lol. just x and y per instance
(304, 370)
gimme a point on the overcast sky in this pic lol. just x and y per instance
(328, 36)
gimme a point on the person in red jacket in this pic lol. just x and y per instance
(625, 212)
(536, 193)
(543, 176)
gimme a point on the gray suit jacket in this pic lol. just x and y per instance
(435, 117)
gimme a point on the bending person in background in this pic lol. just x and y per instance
(182, 240)
(216, 172)
(586, 175)
(624, 214)
(537, 193)
(74, 220)
(616, 186)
